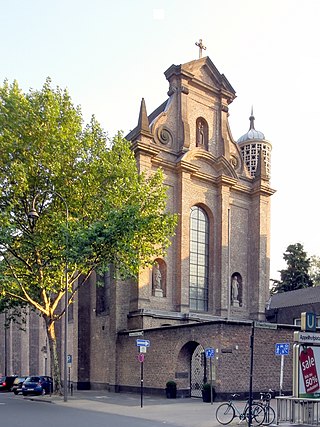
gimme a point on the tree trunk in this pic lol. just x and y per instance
(55, 366)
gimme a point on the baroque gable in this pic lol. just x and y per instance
(195, 116)
(207, 165)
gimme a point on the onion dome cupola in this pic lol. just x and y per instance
(253, 143)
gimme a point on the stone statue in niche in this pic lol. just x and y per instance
(200, 134)
(157, 281)
(235, 291)
(157, 277)
(201, 139)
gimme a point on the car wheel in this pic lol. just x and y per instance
(24, 393)
(15, 392)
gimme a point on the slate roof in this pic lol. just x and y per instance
(295, 298)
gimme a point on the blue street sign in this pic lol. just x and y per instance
(282, 349)
(143, 343)
(209, 352)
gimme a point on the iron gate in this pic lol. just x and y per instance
(198, 372)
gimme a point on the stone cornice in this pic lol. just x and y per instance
(225, 180)
(142, 147)
(187, 167)
(165, 164)
(176, 70)
(219, 321)
(263, 190)
(195, 172)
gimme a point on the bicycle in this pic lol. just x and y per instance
(270, 415)
(227, 411)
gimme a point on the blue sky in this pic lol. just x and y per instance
(110, 54)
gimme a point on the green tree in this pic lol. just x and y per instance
(296, 275)
(94, 208)
(314, 270)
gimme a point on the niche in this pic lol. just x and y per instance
(202, 133)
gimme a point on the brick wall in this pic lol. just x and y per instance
(171, 349)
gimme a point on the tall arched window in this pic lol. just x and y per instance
(199, 262)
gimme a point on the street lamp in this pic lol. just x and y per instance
(34, 216)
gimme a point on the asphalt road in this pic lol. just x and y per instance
(16, 411)
(102, 410)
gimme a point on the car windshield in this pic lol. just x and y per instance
(33, 379)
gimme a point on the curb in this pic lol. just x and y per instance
(38, 399)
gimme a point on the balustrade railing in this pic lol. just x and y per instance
(298, 411)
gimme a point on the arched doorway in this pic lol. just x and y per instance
(192, 369)
(198, 371)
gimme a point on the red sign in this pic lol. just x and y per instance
(309, 370)
(140, 357)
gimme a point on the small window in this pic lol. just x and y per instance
(103, 293)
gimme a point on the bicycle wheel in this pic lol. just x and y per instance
(258, 414)
(270, 416)
(225, 413)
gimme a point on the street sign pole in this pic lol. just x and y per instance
(141, 386)
(282, 349)
(281, 373)
(142, 344)
(211, 394)
(209, 352)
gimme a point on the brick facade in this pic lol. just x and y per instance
(189, 137)
(168, 357)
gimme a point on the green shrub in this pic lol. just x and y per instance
(206, 386)
(171, 384)
(206, 392)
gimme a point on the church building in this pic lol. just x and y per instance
(218, 264)
(214, 281)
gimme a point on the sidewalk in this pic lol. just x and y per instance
(188, 412)
(181, 412)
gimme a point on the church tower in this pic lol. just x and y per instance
(218, 264)
(251, 143)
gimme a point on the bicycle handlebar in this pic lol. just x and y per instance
(266, 395)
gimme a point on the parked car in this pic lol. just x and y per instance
(6, 382)
(17, 384)
(40, 384)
